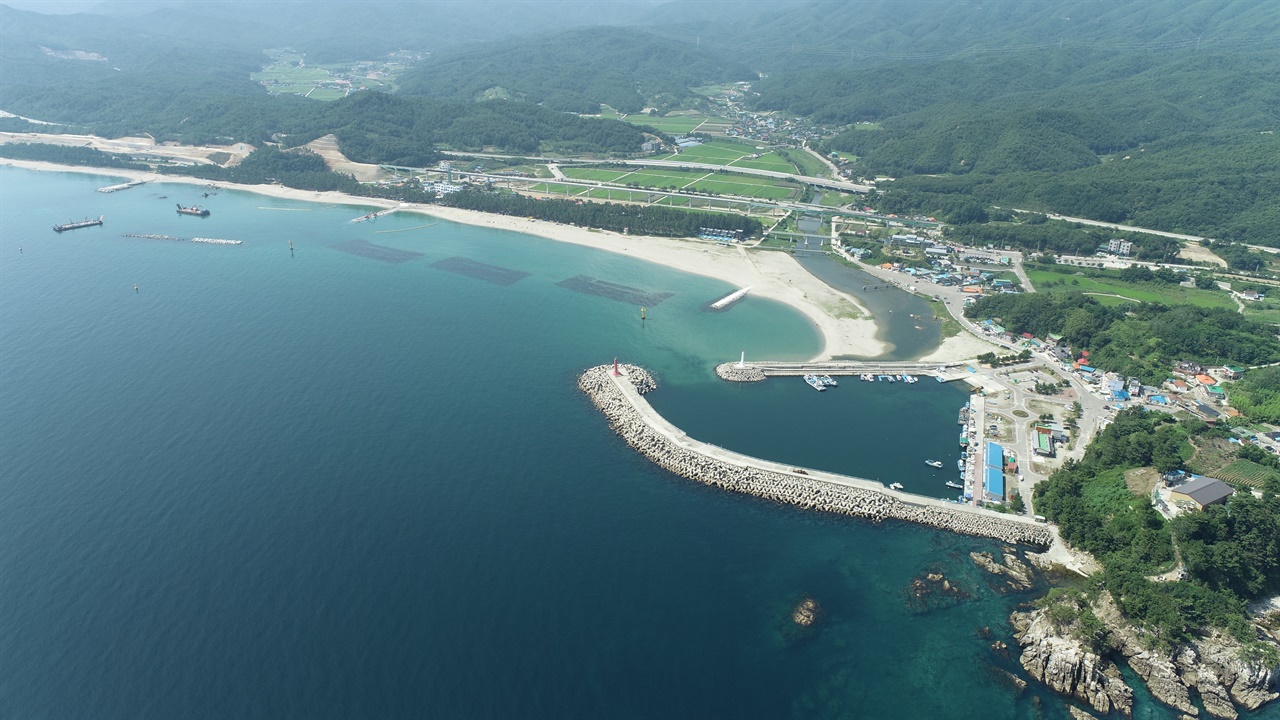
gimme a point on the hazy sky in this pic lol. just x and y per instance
(58, 7)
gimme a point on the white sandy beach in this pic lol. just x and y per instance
(843, 323)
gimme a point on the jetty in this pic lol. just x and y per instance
(730, 299)
(743, 371)
(121, 186)
(376, 214)
(87, 222)
(618, 390)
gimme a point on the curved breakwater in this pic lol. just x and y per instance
(632, 418)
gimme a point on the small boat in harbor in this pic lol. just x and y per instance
(955, 485)
(933, 463)
(895, 486)
(815, 383)
(960, 465)
(828, 381)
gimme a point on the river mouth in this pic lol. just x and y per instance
(905, 322)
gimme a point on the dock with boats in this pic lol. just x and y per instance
(618, 391)
(908, 372)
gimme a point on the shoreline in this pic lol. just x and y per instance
(843, 323)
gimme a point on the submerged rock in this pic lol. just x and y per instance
(1079, 714)
(931, 591)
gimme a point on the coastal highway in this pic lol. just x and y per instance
(651, 193)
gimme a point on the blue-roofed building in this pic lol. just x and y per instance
(993, 484)
(1119, 394)
(995, 456)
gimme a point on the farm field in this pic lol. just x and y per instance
(807, 163)
(288, 73)
(1046, 281)
(1245, 472)
(768, 161)
(677, 122)
(692, 180)
(716, 152)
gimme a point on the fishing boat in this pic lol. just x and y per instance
(933, 463)
(195, 210)
(956, 485)
(895, 486)
(815, 383)
(960, 465)
(828, 381)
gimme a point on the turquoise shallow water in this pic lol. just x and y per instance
(319, 485)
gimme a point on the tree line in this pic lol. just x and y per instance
(633, 219)
(1143, 341)
(1231, 554)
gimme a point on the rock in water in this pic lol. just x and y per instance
(1016, 574)
(806, 613)
(1079, 714)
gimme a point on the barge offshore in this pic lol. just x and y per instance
(87, 222)
(193, 210)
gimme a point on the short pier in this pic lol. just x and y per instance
(619, 397)
(376, 214)
(121, 186)
(730, 299)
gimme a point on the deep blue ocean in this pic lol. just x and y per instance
(314, 484)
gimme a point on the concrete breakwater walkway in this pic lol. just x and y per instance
(630, 415)
(756, 371)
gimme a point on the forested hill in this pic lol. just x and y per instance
(825, 33)
(576, 71)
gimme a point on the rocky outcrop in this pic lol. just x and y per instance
(1215, 666)
(1212, 665)
(1062, 663)
(719, 468)
(1161, 679)
(1015, 572)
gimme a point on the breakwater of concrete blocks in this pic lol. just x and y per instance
(633, 419)
(733, 372)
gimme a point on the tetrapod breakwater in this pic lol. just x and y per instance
(621, 400)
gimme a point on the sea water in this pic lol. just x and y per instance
(314, 484)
